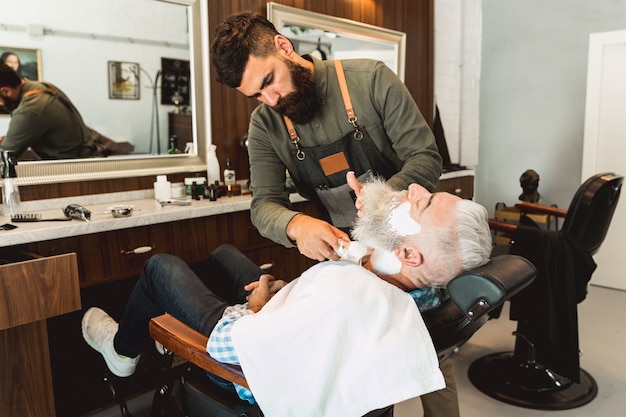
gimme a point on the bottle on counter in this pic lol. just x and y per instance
(173, 145)
(212, 165)
(229, 173)
(10, 192)
(162, 188)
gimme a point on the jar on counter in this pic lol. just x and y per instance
(199, 181)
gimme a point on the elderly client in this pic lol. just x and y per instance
(433, 237)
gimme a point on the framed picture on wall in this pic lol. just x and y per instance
(175, 75)
(123, 80)
(27, 63)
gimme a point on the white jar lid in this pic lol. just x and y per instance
(197, 180)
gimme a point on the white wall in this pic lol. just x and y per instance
(79, 66)
(532, 94)
(457, 75)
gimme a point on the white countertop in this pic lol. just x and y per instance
(456, 174)
(147, 211)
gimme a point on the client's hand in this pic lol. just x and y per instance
(262, 291)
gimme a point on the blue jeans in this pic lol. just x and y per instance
(168, 285)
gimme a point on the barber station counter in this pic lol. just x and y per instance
(147, 211)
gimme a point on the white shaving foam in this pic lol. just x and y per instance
(401, 221)
(385, 262)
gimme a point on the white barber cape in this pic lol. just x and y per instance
(336, 342)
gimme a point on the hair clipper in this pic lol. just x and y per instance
(75, 211)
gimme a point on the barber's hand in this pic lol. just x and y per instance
(315, 238)
(356, 187)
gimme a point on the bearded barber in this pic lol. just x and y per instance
(304, 126)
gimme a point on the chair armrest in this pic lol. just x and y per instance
(500, 226)
(479, 291)
(534, 208)
(191, 345)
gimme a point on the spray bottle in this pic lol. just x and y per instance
(10, 192)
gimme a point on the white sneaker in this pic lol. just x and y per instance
(99, 329)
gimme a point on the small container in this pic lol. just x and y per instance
(178, 190)
(121, 211)
(199, 185)
(162, 188)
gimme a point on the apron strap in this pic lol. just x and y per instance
(343, 87)
(49, 90)
(345, 94)
(293, 135)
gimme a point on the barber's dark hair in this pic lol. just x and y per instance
(235, 39)
(8, 77)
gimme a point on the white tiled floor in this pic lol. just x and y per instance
(602, 334)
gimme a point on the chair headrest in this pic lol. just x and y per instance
(482, 289)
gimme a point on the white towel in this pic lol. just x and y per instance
(336, 342)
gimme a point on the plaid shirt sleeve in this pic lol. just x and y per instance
(426, 298)
(220, 344)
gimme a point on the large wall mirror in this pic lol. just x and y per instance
(330, 37)
(76, 41)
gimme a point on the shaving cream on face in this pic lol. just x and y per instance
(385, 262)
(401, 221)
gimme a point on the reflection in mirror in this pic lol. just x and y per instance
(329, 37)
(79, 40)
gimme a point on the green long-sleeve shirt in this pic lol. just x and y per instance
(47, 123)
(382, 104)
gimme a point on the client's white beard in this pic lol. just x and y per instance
(374, 228)
(383, 225)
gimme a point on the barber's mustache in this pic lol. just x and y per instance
(7, 104)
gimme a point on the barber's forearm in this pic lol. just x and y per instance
(271, 220)
(424, 169)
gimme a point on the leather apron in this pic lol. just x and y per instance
(322, 169)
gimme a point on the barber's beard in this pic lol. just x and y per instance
(300, 105)
(7, 104)
(372, 228)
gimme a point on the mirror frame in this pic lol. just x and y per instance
(47, 172)
(279, 14)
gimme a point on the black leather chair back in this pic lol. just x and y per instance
(591, 210)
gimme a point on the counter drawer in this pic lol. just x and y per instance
(461, 186)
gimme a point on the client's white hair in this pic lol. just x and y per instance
(446, 252)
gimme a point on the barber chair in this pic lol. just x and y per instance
(472, 296)
(543, 372)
